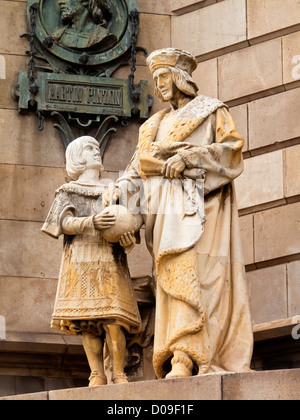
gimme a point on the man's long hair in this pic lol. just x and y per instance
(183, 81)
(99, 10)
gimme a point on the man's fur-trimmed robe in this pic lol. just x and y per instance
(202, 305)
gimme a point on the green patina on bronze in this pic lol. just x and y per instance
(66, 38)
(83, 95)
(75, 46)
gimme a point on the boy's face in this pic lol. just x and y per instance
(91, 155)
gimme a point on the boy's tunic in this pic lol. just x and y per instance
(94, 283)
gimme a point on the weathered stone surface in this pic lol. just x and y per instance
(274, 119)
(7, 386)
(211, 28)
(267, 293)
(178, 5)
(154, 33)
(268, 385)
(262, 180)
(39, 396)
(207, 387)
(277, 232)
(31, 304)
(22, 144)
(206, 77)
(155, 7)
(13, 24)
(246, 225)
(293, 270)
(291, 171)
(22, 255)
(20, 201)
(265, 385)
(121, 147)
(249, 71)
(50, 343)
(269, 16)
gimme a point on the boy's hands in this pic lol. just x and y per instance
(104, 221)
(128, 241)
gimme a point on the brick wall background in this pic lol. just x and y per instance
(249, 57)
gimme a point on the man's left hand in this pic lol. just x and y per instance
(110, 196)
(173, 168)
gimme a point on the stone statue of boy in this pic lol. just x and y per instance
(95, 296)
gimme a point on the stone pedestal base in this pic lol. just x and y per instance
(264, 385)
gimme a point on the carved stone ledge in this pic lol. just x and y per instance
(266, 385)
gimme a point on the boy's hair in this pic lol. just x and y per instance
(75, 164)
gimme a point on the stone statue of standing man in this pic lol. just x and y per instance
(203, 322)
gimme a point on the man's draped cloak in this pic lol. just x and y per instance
(202, 305)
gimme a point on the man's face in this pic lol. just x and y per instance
(164, 83)
(69, 9)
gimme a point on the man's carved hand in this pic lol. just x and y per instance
(173, 168)
(110, 196)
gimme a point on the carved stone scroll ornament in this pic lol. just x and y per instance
(103, 133)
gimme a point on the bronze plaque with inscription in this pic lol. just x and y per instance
(75, 47)
(83, 95)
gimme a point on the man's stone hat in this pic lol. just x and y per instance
(172, 57)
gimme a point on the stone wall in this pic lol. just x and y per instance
(248, 53)
(249, 56)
